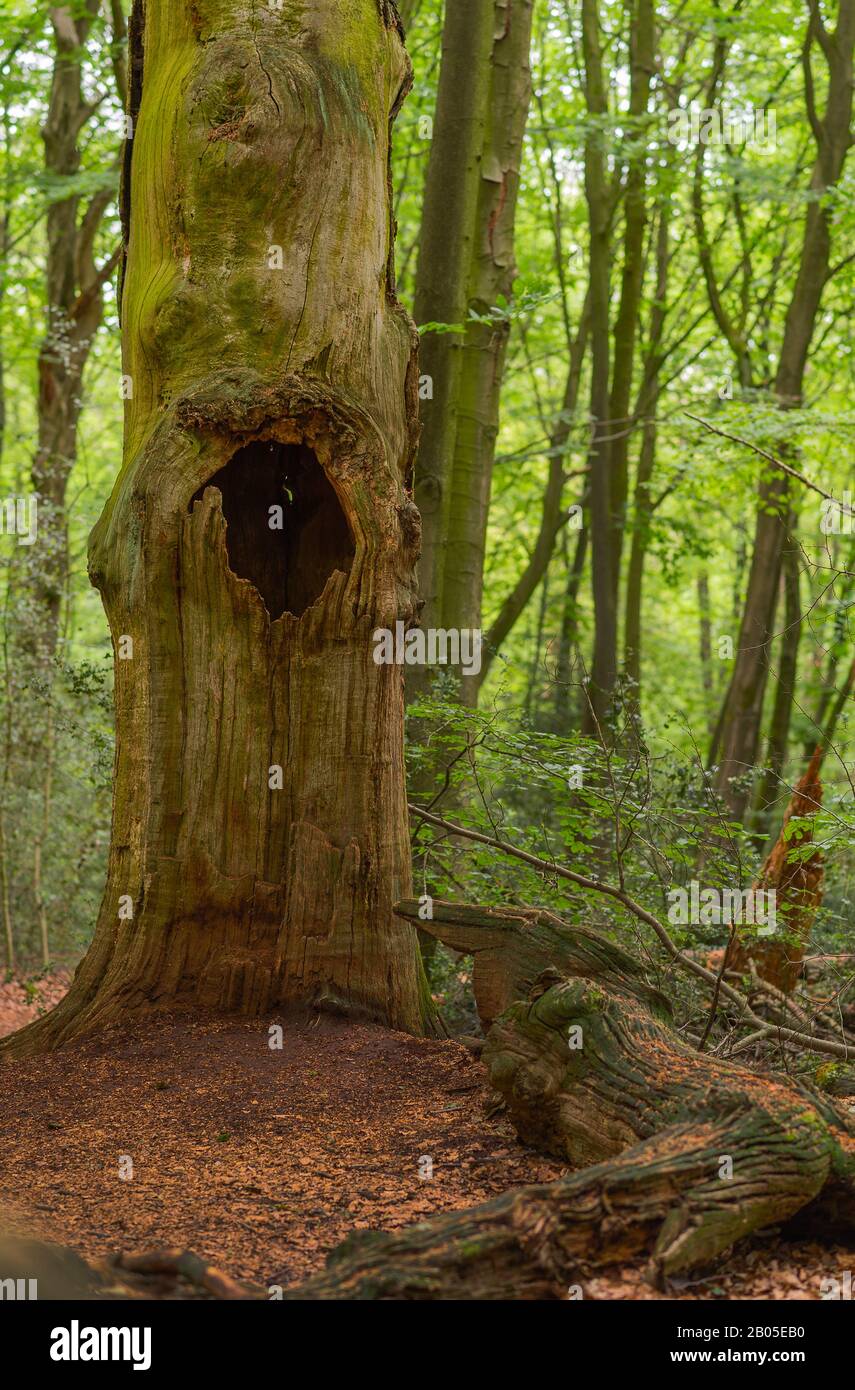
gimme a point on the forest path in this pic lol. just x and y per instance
(261, 1160)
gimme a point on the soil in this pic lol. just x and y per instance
(191, 1131)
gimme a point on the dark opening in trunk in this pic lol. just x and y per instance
(285, 529)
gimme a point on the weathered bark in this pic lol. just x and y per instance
(798, 888)
(533, 1242)
(259, 382)
(690, 1154)
(513, 947)
(492, 274)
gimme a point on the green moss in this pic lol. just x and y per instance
(826, 1075)
(352, 37)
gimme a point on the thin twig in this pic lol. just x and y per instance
(833, 1049)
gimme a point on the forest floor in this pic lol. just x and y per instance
(262, 1160)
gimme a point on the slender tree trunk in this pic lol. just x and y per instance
(768, 787)
(740, 725)
(74, 312)
(706, 646)
(492, 276)
(408, 9)
(260, 530)
(642, 513)
(446, 246)
(5, 241)
(844, 695)
(568, 640)
(552, 516)
(603, 673)
(646, 407)
(642, 26)
(41, 837)
(8, 692)
(535, 670)
(828, 676)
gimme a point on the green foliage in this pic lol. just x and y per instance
(644, 815)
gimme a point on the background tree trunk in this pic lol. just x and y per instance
(642, 28)
(769, 785)
(263, 378)
(552, 515)
(646, 407)
(492, 275)
(604, 662)
(743, 709)
(74, 311)
(446, 248)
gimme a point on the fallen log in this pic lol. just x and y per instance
(512, 947)
(690, 1153)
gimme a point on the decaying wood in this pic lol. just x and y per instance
(798, 888)
(689, 1152)
(687, 960)
(269, 365)
(512, 947)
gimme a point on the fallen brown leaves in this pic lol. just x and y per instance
(23, 999)
(261, 1161)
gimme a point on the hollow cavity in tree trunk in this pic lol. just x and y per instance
(285, 529)
(259, 835)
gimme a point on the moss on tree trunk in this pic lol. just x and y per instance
(261, 526)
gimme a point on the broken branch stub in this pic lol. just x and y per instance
(512, 947)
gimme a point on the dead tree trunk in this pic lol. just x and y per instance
(513, 946)
(690, 1152)
(796, 874)
(260, 530)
